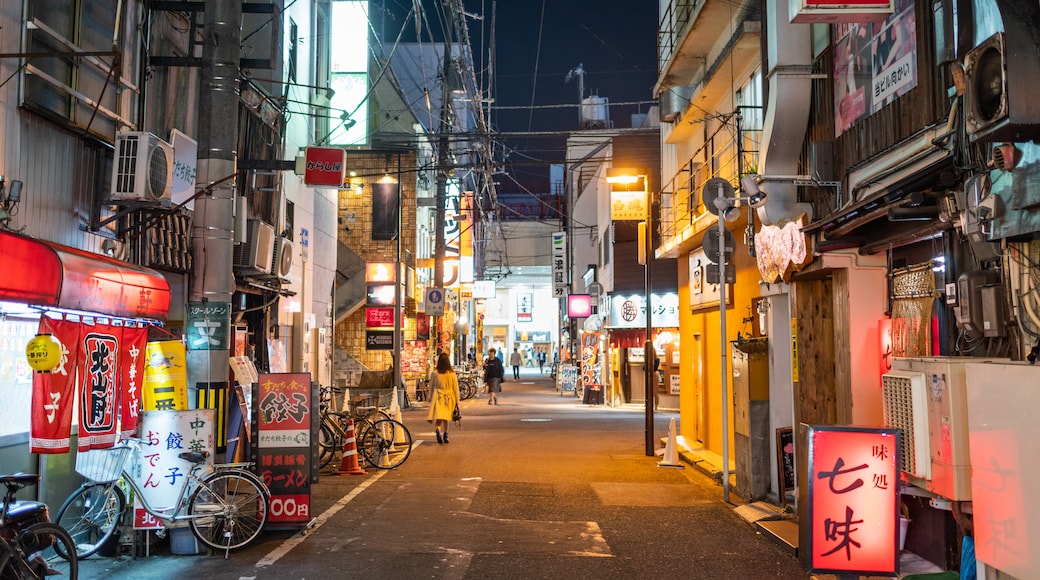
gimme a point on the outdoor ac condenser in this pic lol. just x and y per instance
(255, 254)
(938, 429)
(143, 168)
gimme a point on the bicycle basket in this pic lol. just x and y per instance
(102, 465)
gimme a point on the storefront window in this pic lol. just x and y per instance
(15, 374)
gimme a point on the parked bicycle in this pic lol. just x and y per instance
(469, 382)
(225, 505)
(381, 441)
(30, 545)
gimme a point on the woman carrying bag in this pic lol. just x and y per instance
(444, 396)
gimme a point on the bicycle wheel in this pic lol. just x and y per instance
(230, 508)
(328, 444)
(90, 516)
(41, 545)
(467, 389)
(377, 415)
(386, 444)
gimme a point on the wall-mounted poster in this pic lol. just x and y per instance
(413, 359)
(874, 63)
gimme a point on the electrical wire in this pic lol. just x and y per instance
(537, 58)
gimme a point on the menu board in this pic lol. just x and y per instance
(568, 378)
(283, 444)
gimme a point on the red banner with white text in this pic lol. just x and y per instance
(54, 392)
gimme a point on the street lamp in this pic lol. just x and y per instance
(635, 181)
(724, 205)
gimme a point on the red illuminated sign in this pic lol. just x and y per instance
(379, 317)
(325, 166)
(854, 500)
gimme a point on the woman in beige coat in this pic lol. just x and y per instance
(444, 396)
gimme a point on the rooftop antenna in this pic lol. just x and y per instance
(579, 73)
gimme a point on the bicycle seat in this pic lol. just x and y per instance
(20, 480)
(194, 456)
(20, 510)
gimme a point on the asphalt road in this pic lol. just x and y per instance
(538, 486)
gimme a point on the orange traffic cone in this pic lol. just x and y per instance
(349, 464)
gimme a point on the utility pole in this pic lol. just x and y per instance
(212, 280)
(443, 158)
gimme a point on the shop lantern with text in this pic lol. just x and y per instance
(854, 500)
(43, 352)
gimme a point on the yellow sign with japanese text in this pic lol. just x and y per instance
(165, 386)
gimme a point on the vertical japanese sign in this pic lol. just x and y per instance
(157, 469)
(524, 307)
(590, 363)
(453, 227)
(559, 264)
(283, 444)
(854, 500)
(209, 324)
(99, 394)
(165, 376)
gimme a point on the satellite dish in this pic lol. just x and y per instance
(713, 188)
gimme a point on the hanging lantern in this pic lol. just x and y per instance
(43, 352)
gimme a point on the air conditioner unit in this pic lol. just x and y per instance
(943, 410)
(906, 408)
(254, 256)
(999, 99)
(143, 167)
(281, 265)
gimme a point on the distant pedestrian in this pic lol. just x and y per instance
(541, 363)
(515, 359)
(444, 389)
(494, 372)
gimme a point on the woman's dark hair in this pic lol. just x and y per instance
(443, 363)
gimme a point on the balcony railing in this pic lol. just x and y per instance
(673, 21)
(730, 152)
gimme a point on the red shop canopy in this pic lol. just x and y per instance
(48, 274)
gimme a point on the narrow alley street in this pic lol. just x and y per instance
(538, 486)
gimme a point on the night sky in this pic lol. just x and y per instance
(615, 41)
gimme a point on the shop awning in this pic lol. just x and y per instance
(48, 274)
